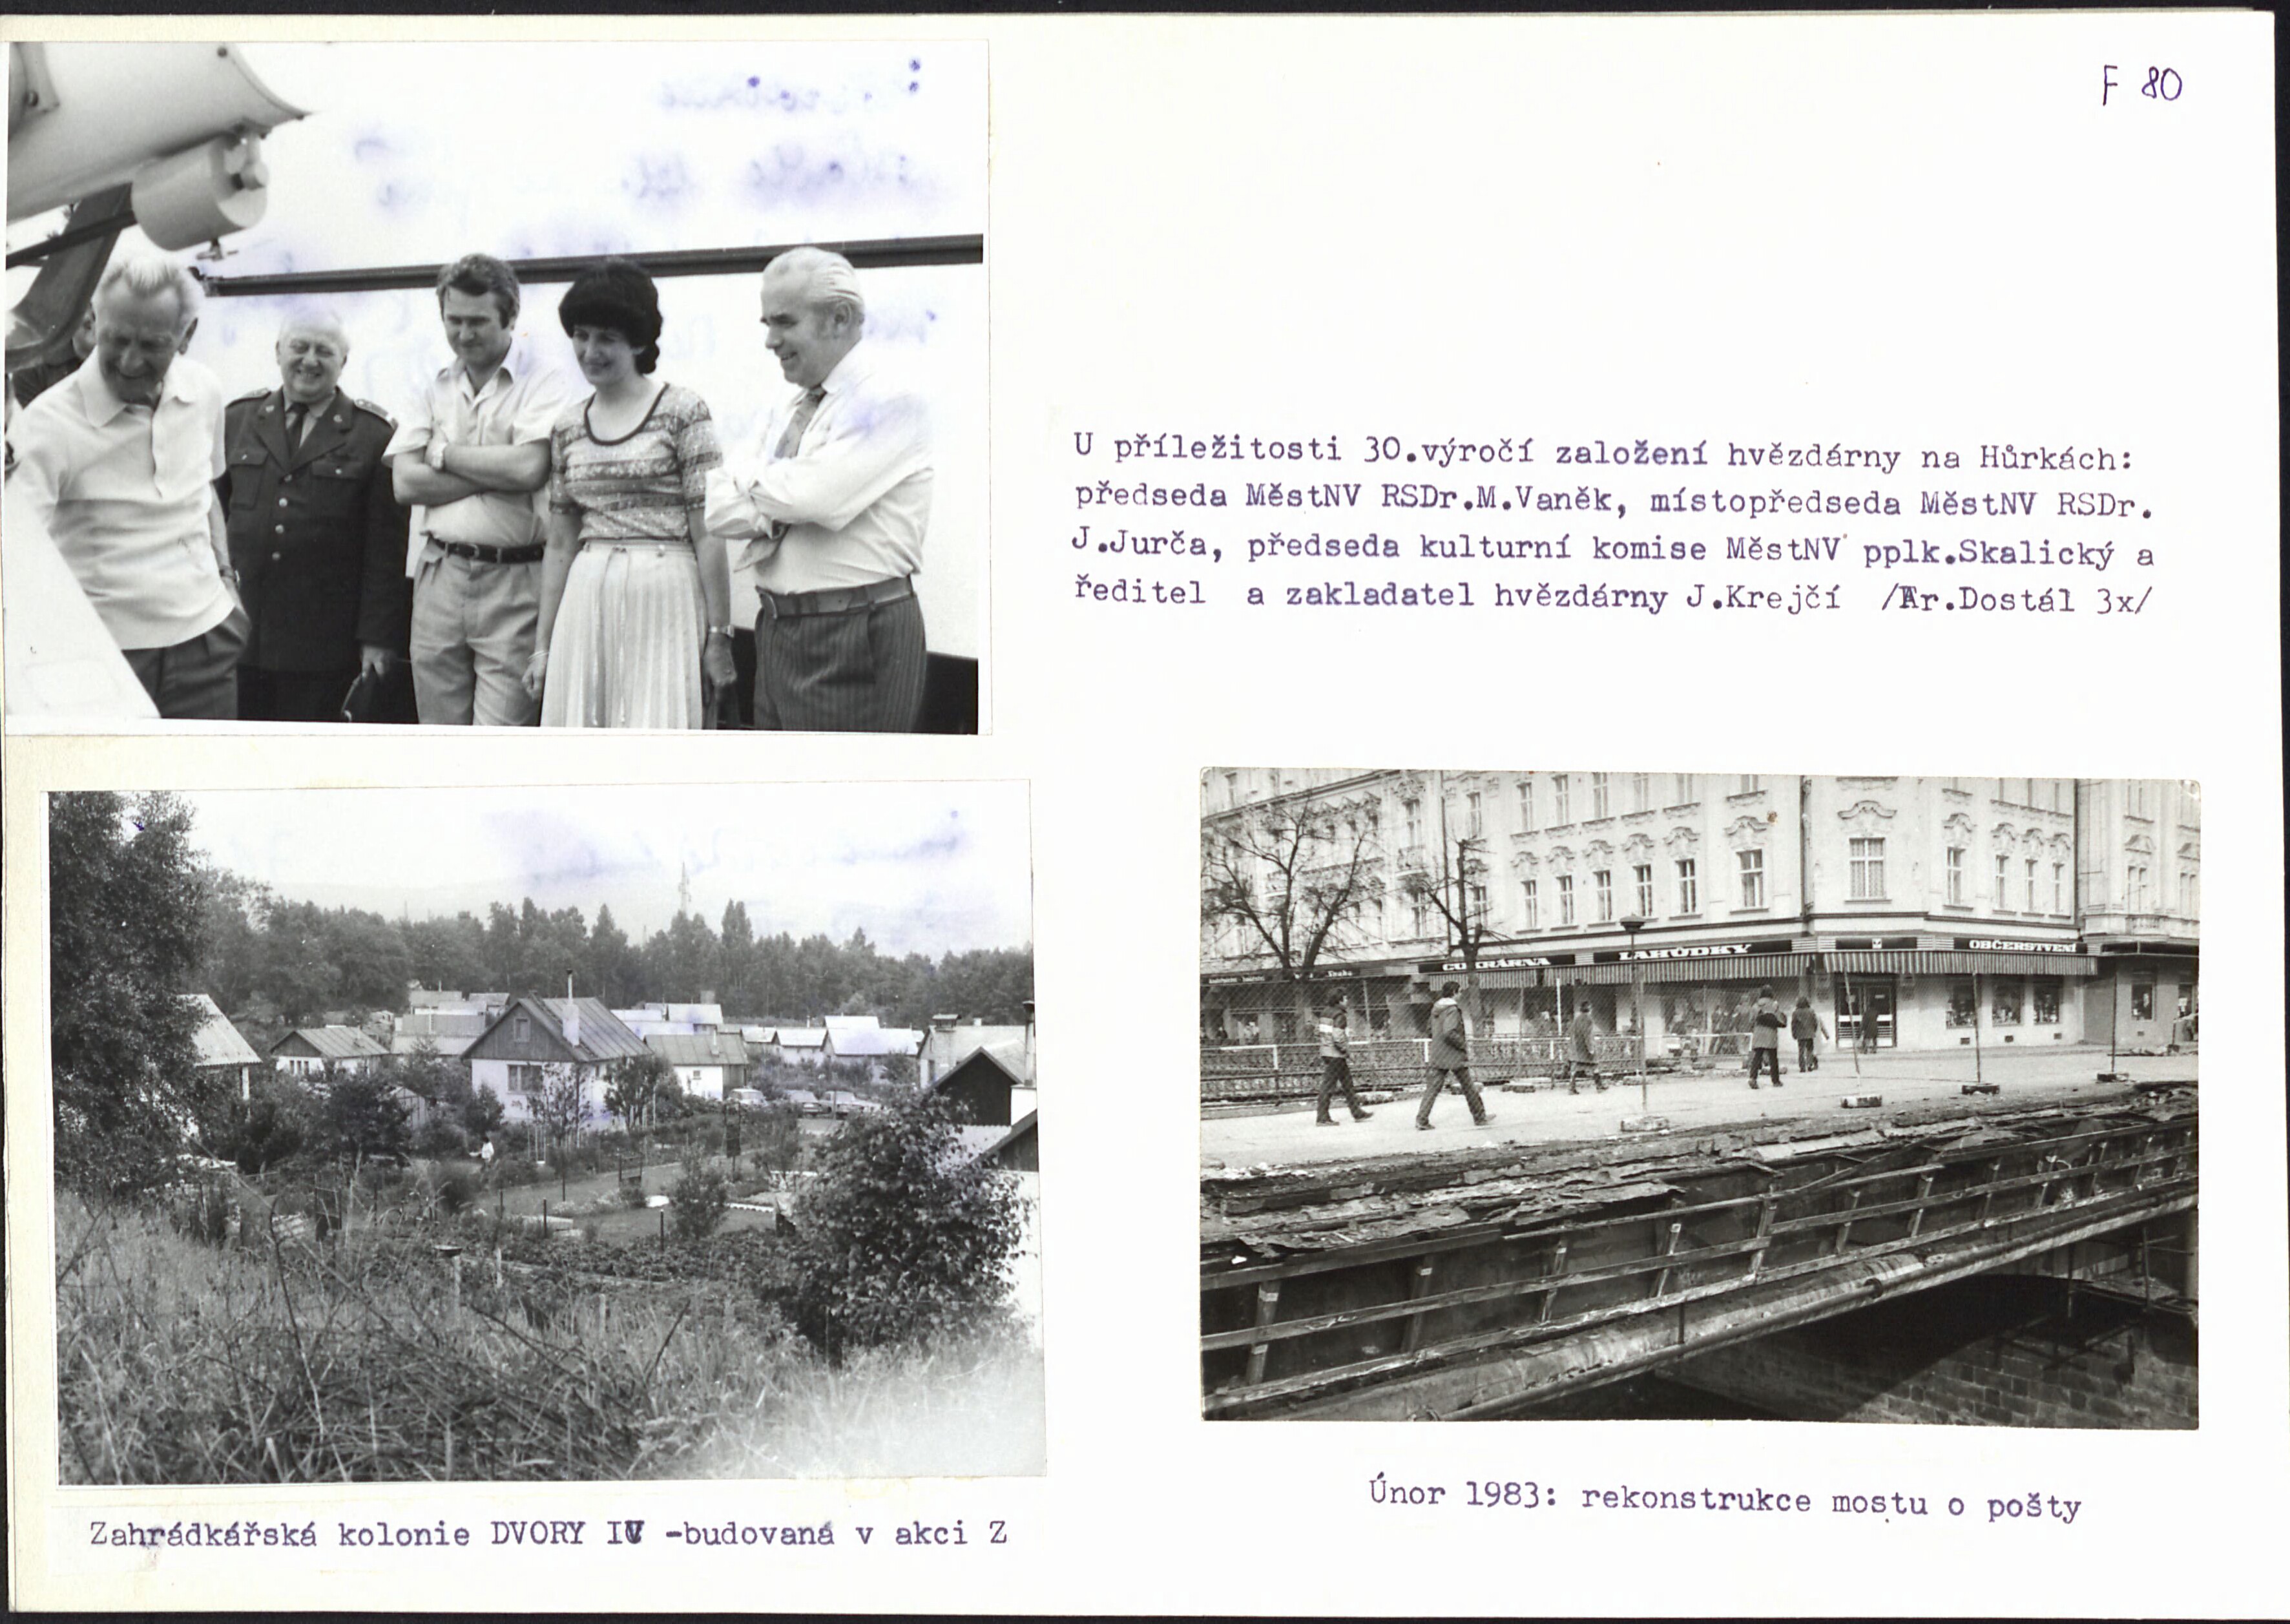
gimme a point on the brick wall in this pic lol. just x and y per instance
(2003, 1351)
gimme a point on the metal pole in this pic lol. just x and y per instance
(1844, 997)
(1638, 1021)
(1977, 1076)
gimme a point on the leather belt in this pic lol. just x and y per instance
(485, 555)
(836, 600)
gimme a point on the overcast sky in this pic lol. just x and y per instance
(923, 867)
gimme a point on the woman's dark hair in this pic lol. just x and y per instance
(617, 295)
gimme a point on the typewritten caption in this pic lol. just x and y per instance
(1542, 526)
(1526, 1494)
(653, 1534)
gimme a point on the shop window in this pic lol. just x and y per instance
(2005, 1001)
(1526, 806)
(1565, 898)
(2044, 1007)
(1283, 1026)
(1753, 879)
(1601, 887)
(1379, 1019)
(2143, 1000)
(1868, 869)
(1962, 1008)
(1956, 875)
(1533, 904)
(1562, 798)
(1601, 804)
(1689, 888)
(1644, 874)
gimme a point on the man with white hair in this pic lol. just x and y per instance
(120, 462)
(832, 499)
(317, 533)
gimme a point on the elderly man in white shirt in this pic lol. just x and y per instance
(832, 500)
(119, 461)
(473, 457)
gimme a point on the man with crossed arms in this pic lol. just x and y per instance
(832, 499)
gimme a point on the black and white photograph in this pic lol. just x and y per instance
(618, 385)
(609, 1139)
(1681, 1096)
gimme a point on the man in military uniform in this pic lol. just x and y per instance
(316, 536)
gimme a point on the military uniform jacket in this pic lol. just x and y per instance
(315, 533)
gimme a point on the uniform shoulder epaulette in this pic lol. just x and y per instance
(251, 394)
(367, 405)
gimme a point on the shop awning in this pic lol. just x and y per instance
(1653, 972)
(2070, 965)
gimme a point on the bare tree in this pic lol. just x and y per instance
(1293, 878)
(1456, 887)
(561, 1103)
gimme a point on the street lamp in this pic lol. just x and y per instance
(1632, 924)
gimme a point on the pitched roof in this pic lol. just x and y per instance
(462, 1023)
(420, 1043)
(858, 1042)
(603, 1037)
(334, 1042)
(698, 1014)
(800, 1037)
(697, 1048)
(979, 1060)
(851, 1023)
(217, 1041)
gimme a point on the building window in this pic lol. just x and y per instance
(1683, 783)
(1868, 869)
(2190, 896)
(2134, 797)
(2058, 888)
(1962, 1008)
(2004, 1002)
(1473, 816)
(1478, 900)
(1751, 784)
(1689, 887)
(1602, 886)
(1419, 915)
(2031, 884)
(2044, 1010)
(1533, 904)
(1600, 805)
(2059, 794)
(1641, 791)
(1411, 812)
(1526, 806)
(1232, 789)
(1956, 875)
(1565, 898)
(2135, 890)
(1644, 874)
(2003, 884)
(2143, 1000)
(523, 1029)
(1753, 879)
(1561, 798)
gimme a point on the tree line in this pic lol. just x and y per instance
(291, 963)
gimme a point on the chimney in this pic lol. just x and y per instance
(571, 1014)
(1029, 1040)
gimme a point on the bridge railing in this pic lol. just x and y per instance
(1281, 1331)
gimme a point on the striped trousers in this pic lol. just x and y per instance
(856, 672)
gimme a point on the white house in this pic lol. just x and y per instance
(800, 1046)
(306, 1051)
(707, 1064)
(535, 1040)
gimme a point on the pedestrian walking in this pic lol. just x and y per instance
(1805, 1026)
(1450, 1057)
(1336, 1064)
(1765, 1037)
(1581, 1058)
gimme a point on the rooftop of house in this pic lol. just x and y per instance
(333, 1043)
(697, 1048)
(217, 1042)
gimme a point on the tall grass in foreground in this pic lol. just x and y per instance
(181, 1362)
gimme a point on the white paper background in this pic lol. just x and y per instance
(1903, 232)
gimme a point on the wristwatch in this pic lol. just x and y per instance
(721, 631)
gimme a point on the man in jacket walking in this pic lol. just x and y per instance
(1449, 1055)
(1336, 1064)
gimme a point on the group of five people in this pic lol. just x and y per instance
(527, 550)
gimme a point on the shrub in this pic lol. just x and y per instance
(901, 1237)
(441, 1137)
(456, 1191)
(697, 1204)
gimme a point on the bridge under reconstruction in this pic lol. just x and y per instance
(1513, 1280)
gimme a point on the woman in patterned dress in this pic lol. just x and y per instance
(634, 593)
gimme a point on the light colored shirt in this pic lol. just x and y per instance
(127, 492)
(853, 499)
(1333, 1040)
(519, 404)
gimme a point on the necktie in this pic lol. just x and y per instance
(798, 420)
(297, 415)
